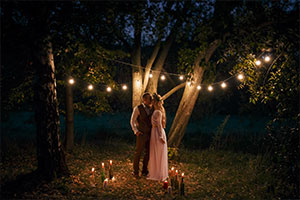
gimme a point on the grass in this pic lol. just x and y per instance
(209, 174)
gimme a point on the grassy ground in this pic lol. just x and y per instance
(208, 175)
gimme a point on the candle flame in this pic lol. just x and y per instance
(182, 174)
(172, 168)
(110, 162)
(93, 169)
(102, 165)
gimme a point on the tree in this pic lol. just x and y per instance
(50, 155)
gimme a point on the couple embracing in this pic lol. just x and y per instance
(148, 121)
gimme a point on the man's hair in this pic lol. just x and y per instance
(146, 94)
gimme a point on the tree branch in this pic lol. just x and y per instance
(173, 91)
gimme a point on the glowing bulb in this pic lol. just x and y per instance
(181, 77)
(108, 89)
(210, 88)
(267, 58)
(189, 83)
(223, 85)
(90, 87)
(150, 75)
(124, 87)
(258, 62)
(240, 77)
(138, 82)
(199, 87)
(163, 77)
(71, 81)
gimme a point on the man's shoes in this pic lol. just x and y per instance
(145, 174)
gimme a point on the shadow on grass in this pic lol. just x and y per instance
(23, 183)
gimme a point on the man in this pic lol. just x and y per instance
(141, 125)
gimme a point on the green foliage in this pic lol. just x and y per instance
(173, 153)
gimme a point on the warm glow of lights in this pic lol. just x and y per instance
(124, 87)
(110, 162)
(189, 83)
(210, 88)
(71, 81)
(113, 179)
(93, 169)
(163, 77)
(258, 62)
(90, 87)
(199, 87)
(240, 77)
(138, 82)
(223, 85)
(176, 171)
(181, 77)
(267, 58)
(172, 168)
(150, 75)
(108, 89)
(182, 174)
(102, 165)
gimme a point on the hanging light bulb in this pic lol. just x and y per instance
(71, 81)
(108, 89)
(124, 87)
(138, 82)
(257, 62)
(189, 83)
(150, 75)
(240, 77)
(210, 88)
(223, 85)
(199, 87)
(181, 77)
(90, 87)
(163, 77)
(267, 58)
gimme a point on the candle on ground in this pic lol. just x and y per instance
(105, 183)
(165, 185)
(110, 162)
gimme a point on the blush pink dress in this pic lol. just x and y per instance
(158, 159)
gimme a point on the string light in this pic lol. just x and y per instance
(138, 82)
(150, 75)
(90, 87)
(240, 76)
(189, 83)
(199, 87)
(267, 58)
(223, 85)
(108, 89)
(210, 88)
(71, 81)
(163, 77)
(257, 62)
(181, 77)
(124, 87)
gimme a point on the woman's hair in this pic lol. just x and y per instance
(156, 97)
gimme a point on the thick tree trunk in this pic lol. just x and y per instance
(69, 140)
(189, 98)
(185, 109)
(50, 155)
(137, 72)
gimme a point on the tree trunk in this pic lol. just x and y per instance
(137, 72)
(69, 140)
(189, 97)
(50, 155)
(185, 109)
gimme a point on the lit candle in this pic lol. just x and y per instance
(172, 171)
(176, 172)
(182, 185)
(165, 185)
(103, 173)
(110, 162)
(113, 179)
(105, 183)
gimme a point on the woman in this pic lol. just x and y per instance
(158, 160)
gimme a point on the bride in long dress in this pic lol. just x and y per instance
(158, 160)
